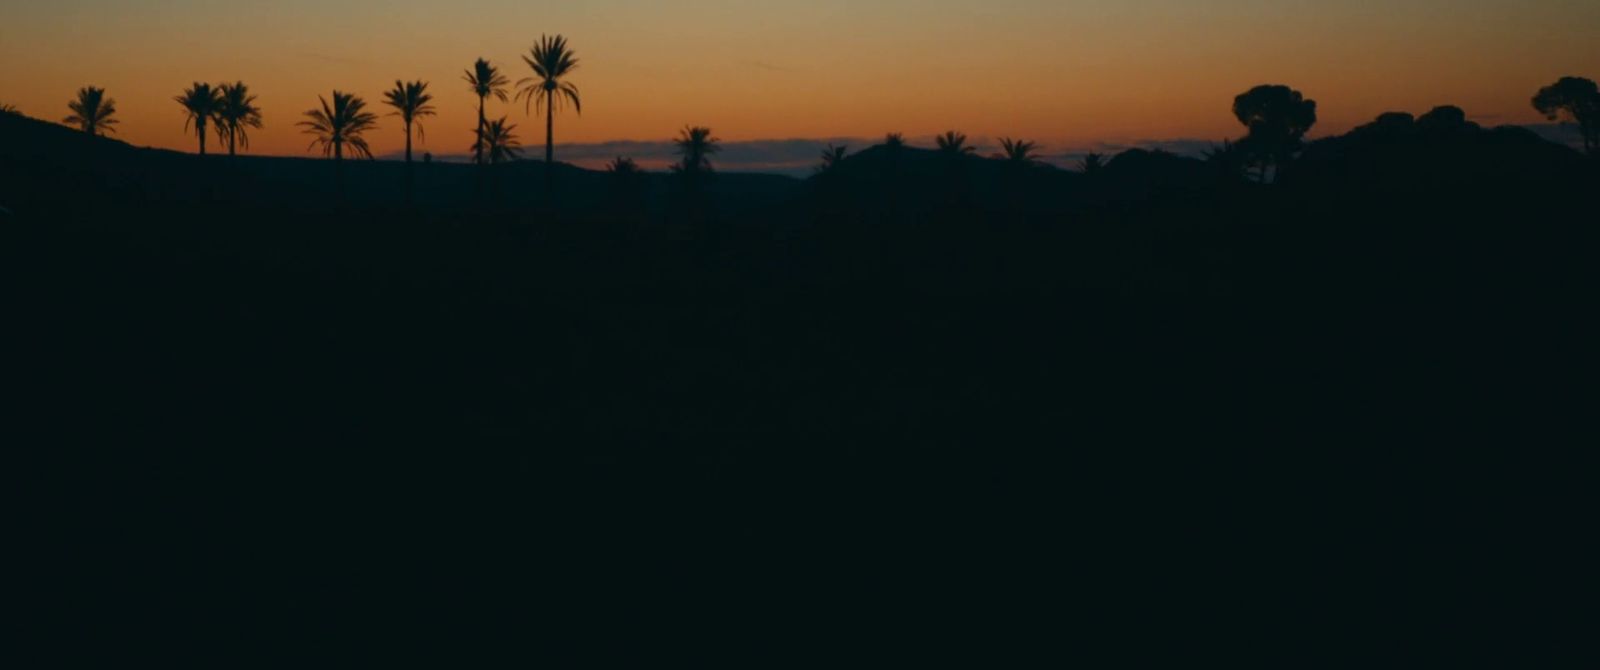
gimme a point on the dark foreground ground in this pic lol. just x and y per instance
(898, 406)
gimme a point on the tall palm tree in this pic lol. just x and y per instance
(486, 80)
(1018, 152)
(551, 61)
(238, 112)
(92, 111)
(411, 102)
(954, 144)
(339, 124)
(696, 145)
(201, 104)
(500, 143)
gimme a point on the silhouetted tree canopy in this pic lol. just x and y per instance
(551, 60)
(1277, 117)
(696, 146)
(953, 144)
(92, 111)
(339, 124)
(485, 80)
(238, 113)
(1578, 100)
(831, 157)
(201, 104)
(500, 143)
(1445, 118)
(623, 166)
(1092, 163)
(1018, 152)
(411, 101)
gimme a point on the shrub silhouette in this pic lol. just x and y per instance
(92, 111)
(1577, 99)
(894, 141)
(201, 104)
(411, 101)
(551, 60)
(485, 80)
(1277, 118)
(238, 112)
(339, 124)
(1444, 119)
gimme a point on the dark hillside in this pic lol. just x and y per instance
(1139, 364)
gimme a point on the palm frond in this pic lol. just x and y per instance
(93, 112)
(486, 80)
(340, 124)
(551, 61)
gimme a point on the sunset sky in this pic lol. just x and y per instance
(1067, 72)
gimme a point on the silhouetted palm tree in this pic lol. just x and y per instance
(696, 145)
(340, 124)
(486, 80)
(894, 141)
(92, 111)
(9, 110)
(831, 158)
(551, 61)
(201, 105)
(1578, 99)
(953, 144)
(623, 166)
(1091, 163)
(1018, 152)
(238, 112)
(500, 143)
(411, 102)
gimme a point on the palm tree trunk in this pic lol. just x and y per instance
(408, 141)
(231, 133)
(338, 151)
(477, 146)
(200, 129)
(549, 140)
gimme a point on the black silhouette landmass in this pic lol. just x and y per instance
(1142, 362)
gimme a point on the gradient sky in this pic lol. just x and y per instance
(1068, 72)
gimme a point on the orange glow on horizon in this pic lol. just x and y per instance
(1069, 73)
